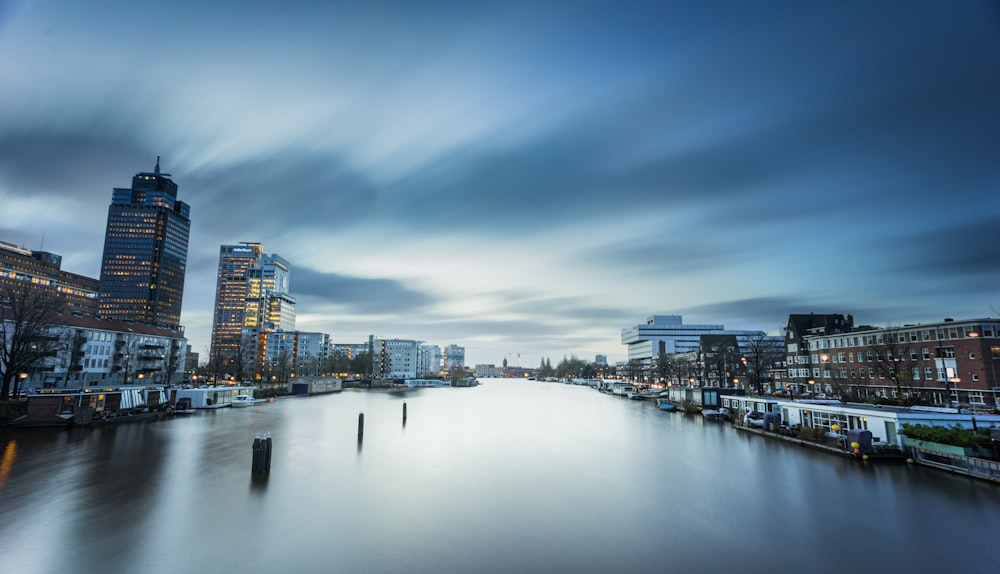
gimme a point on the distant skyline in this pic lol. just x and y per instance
(526, 178)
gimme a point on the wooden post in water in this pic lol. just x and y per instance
(261, 454)
(404, 412)
(361, 426)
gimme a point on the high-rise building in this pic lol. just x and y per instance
(145, 252)
(239, 266)
(251, 299)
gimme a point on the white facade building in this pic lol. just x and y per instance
(395, 359)
(668, 335)
(428, 360)
(93, 352)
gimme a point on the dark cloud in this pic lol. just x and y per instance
(71, 162)
(358, 294)
(289, 187)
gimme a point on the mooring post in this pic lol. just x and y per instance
(267, 450)
(255, 465)
(261, 454)
(404, 411)
(361, 426)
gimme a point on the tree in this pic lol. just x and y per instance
(338, 363)
(360, 364)
(26, 334)
(126, 356)
(171, 361)
(891, 352)
(245, 361)
(760, 354)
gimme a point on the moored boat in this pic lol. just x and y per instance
(243, 401)
(665, 405)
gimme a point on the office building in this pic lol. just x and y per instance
(453, 357)
(145, 252)
(251, 299)
(40, 271)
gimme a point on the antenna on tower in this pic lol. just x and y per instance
(156, 170)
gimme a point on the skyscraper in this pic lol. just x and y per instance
(251, 298)
(145, 252)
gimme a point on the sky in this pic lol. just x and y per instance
(526, 179)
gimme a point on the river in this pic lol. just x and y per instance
(510, 476)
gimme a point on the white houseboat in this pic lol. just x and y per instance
(211, 397)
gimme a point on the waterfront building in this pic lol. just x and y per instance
(794, 372)
(948, 363)
(428, 360)
(251, 299)
(349, 350)
(41, 272)
(666, 335)
(395, 359)
(312, 353)
(237, 265)
(86, 351)
(453, 356)
(145, 252)
(487, 370)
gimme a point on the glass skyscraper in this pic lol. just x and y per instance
(251, 298)
(145, 252)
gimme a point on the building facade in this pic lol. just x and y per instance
(395, 359)
(251, 300)
(428, 360)
(949, 363)
(86, 351)
(667, 335)
(312, 353)
(145, 252)
(41, 271)
(453, 356)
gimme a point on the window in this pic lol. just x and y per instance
(975, 377)
(868, 356)
(972, 355)
(926, 353)
(929, 373)
(861, 357)
(913, 354)
(976, 398)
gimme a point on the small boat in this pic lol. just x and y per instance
(635, 396)
(243, 401)
(665, 405)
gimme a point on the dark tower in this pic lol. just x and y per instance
(145, 252)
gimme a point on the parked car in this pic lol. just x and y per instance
(754, 419)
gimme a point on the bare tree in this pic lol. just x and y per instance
(891, 351)
(26, 333)
(126, 356)
(760, 355)
(245, 360)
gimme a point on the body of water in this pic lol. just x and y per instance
(511, 476)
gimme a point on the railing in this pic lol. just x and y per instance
(972, 466)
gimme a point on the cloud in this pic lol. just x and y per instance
(358, 294)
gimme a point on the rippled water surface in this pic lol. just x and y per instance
(511, 476)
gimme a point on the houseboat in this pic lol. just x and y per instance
(210, 397)
(92, 405)
(419, 383)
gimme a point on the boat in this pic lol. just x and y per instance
(622, 389)
(665, 404)
(243, 401)
(635, 396)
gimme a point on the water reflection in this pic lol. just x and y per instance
(511, 476)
